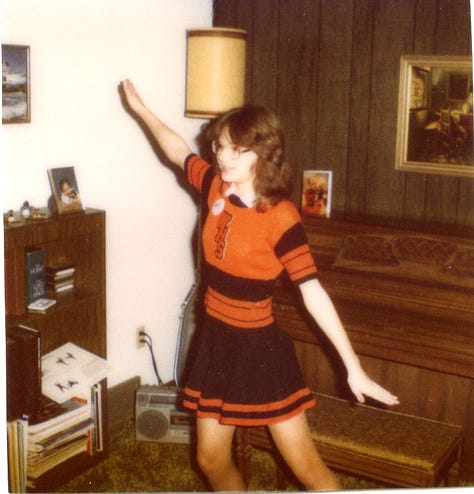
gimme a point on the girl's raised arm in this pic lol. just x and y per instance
(171, 143)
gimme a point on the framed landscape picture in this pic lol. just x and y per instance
(316, 196)
(15, 84)
(65, 190)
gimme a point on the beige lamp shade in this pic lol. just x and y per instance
(215, 72)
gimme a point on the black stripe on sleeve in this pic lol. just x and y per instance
(294, 237)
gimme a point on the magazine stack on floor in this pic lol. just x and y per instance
(70, 432)
(69, 419)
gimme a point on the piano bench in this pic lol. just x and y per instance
(390, 447)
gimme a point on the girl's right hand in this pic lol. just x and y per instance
(362, 385)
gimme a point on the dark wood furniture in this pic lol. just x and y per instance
(405, 297)
(79, 316)
(393, 448)
(356, 70)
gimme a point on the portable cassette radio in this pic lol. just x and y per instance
(159, 416)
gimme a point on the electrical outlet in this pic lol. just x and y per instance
(140, 338)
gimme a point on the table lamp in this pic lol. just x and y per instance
(215, 71)
(215, 83)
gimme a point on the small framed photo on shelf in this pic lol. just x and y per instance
(15, 84)
(65, 190)
(316, 194)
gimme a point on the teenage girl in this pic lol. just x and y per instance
(245, 371)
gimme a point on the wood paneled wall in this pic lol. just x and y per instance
(330, 69)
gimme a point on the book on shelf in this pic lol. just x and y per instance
(14, 380)
(48, 410)
(13, 458)
(24, 369)
(35, 282)
(36, 446)
(52, 442)
(41, 305)
(45, 461)
(97, 438)
(59, 278)
(58, 271)
(17, 455)
(71, 371)
(60, 438)
(53, 282)
(52, 291)
(62, 427)
(64, 416)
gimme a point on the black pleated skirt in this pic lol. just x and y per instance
(247, 377)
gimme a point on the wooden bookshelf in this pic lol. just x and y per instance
(79, 316)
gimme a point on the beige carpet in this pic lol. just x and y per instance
(137, 466)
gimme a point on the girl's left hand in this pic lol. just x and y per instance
(361, 385)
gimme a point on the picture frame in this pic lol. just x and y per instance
(317, 193)
(16, 85)
(65, 189)
(435, 115)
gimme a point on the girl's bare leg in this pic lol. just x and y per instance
(214, 455)
(293, 439)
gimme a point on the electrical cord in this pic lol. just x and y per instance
(146, 338)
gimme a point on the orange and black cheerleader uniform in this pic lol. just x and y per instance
(245, 370)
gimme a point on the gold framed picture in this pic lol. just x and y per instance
(435, 115)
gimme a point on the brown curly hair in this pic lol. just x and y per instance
(256, 128)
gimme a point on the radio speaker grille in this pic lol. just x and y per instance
(152, 424)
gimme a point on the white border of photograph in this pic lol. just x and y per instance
(317, 192)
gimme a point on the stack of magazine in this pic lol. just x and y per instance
(72, 431)
(69, 423)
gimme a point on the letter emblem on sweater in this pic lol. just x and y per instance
(221, 236)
